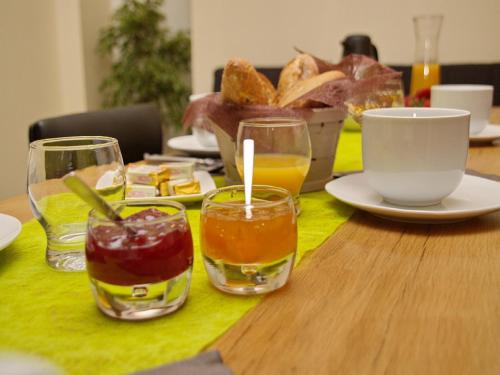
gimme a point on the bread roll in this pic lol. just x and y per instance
(302, 67)
(291, 97)
(242, 84)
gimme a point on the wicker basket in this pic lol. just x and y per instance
(324, 129)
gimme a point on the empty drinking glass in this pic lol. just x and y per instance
(63, 215)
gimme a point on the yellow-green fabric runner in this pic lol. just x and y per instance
(348, 156)
(53, 315)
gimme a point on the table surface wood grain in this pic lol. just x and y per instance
(379, 297)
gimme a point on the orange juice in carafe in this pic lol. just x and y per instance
(424, 76)
(426, 71)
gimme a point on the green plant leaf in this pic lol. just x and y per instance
(149, 63)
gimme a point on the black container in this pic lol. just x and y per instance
(359, 44)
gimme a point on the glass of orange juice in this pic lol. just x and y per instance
(241, 252)
(282, 152)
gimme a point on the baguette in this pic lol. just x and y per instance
(291, 98)
(242, 84)
(302, 67)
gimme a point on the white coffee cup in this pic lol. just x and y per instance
(203, 136)
(201, 126)
(415, 156)
(477, 99)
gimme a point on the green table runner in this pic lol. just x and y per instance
(53, 315)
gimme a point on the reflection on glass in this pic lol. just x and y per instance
(63, 215)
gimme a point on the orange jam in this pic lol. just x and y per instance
(269, 235)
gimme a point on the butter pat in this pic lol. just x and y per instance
(140, 191)
(147, 174)
(183, 187)
(163, 188)
(179, 170)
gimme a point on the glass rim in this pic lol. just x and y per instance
(45, 143)
(287, 197)
(269, 122)
(410, 113)
(461, 88)
(92, 216)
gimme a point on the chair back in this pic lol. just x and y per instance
(137, 128)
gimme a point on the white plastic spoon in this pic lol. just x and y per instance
(248, 152)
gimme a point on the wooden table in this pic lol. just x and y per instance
(379, 297)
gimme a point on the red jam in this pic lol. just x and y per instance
(159, 251)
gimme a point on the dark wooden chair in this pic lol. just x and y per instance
(137, 128)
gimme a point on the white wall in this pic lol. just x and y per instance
(95, 14)
(265, 31)
(30, 82)
(69, 54)
(42, 73)
(178, 14)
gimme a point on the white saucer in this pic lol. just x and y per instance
(10, 228)
(489, 134)
(474, 197)
(189, 144)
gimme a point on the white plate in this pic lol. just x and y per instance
(10, 228)
(489, 134)
(475, 196)
(189, 144)
(207, 183)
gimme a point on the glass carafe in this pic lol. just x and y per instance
(426, 70)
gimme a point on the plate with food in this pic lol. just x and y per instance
(174, 181)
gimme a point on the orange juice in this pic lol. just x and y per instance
(228, 236)
(424, 76)
(282, 170)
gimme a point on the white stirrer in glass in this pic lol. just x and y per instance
(248, 151)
